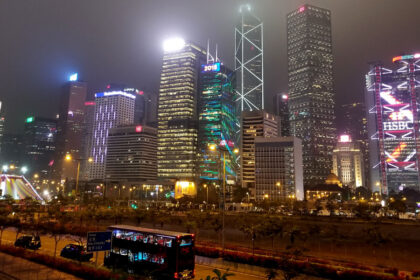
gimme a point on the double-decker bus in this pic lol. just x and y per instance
(166, 254)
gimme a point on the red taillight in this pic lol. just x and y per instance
(176, 275)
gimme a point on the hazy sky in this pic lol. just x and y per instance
(43, 41)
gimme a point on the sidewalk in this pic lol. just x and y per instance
(17, 268)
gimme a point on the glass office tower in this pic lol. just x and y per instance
(217, 121)
(311, 95)
(177, 109)
(249, 57)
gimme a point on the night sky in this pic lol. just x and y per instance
(43, 41)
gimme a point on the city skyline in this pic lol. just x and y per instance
(43, 70)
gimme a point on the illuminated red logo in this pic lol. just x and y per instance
(139, 128)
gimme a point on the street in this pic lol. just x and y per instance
(202, 270)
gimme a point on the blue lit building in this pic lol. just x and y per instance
(217, 121)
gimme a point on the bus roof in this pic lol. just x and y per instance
(149, 230)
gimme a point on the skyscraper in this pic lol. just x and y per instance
(145, 109)
(131, 154)
(392, 99)
(348, 162)
(249, 57)
(254, 124)
(217, 120)
(70, 126)
(311, 95)
(278, 168)
(354, 123)
(112, 108)
(177, 109)
(87, 139)
(1, 127)
(281, 109)
(39, 144)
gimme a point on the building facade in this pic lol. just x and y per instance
(177, 110)
(2, 120)
(311, 95)
(70, 127)
(354, 123)
(145, 109)
(254, 124)
(392, 99)
(281, 109)
(217, 121)
(249, 57)
(131, 154)
(39, 142)
(278, 168)
(112, 108)
(87, 139)
(348, 162)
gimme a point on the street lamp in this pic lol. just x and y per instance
(68, 157)
(223, 148)
(207, 189)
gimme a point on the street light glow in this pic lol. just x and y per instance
(24, 169)
(68, 157)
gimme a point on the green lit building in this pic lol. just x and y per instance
(177, 110)
(217, 122)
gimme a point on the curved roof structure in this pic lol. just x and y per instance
(17, 187)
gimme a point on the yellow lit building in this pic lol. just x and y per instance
(177, 113)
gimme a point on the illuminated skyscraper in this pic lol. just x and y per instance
(278, 168)
(249, 57)
(348, 162)
(177, 109)
(354, 117)
(281, 109)
(112, 108)
(311, 95)
(39, 144)
(70, 126)
(392, 99)
(131, 155)
(1, 127)
(254, 124)
(87, 139)
(217, 121)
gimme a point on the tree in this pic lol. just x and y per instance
(251, 231)
(56, 230)
(272, 228)
(219, 275)
(331, 206)
(397, 205)
(239, 193)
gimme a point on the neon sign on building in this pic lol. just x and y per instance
(215, 67)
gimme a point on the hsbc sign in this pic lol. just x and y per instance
(398, 125)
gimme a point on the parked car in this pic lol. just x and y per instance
(28, 241)
(76, 252)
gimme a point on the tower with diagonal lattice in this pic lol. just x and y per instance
(249, 61)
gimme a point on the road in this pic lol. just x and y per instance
(201, 270)
(13, 268)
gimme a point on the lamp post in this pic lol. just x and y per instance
(70, 158)
(223, 149)
(207, 189)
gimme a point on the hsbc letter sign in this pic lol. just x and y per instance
(398, 125)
